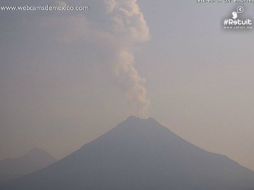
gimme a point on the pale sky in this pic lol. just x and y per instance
(59, 90)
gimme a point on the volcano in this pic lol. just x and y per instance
(139, 154)
(34, 160)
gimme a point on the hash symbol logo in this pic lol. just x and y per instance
(237, 20)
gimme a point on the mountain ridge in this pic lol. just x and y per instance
(139, 154)
(32, 161)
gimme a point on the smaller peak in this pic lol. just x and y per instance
(38, 152)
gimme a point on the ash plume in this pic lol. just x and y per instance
(130, 29)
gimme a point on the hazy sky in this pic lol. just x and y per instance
(66, 79)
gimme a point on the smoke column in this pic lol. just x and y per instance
(129, 26)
